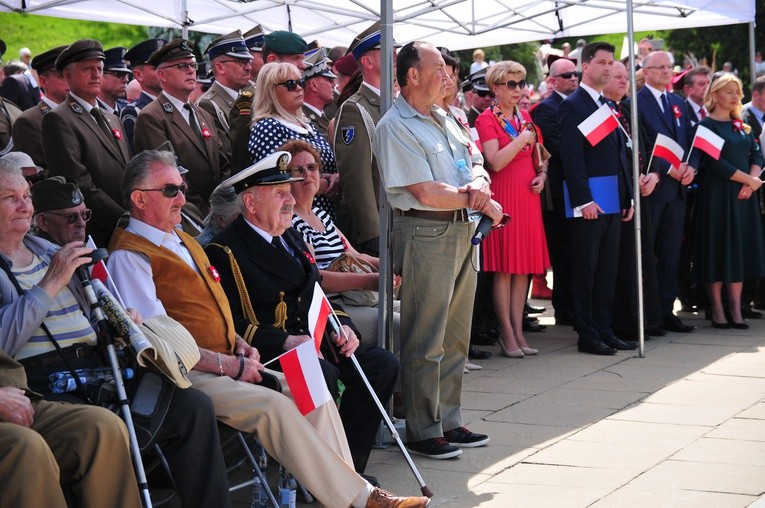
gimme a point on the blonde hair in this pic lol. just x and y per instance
(496, 73)
(719, 83)
(265, 103)
(479, 52)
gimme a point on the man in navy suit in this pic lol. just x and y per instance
(665, 113)
(594, 234)
(563, 80)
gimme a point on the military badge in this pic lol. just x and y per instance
(167, 107)
(76, 107)
(282, 162)
(348, 132)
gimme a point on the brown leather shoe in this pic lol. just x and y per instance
(380, 498)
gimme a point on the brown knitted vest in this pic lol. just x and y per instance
(198, 303)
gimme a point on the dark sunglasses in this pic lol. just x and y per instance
(303, 170)
(169, 190)
(292, 84)
(565, 75)
(483, 95)
(512, 85)
(71, 218)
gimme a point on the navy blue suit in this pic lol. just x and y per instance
(594, 243)
(129, 115)
(667, 203)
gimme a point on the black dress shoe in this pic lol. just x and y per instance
(372, 480)
(529, 326)
(656, 331)
(596, 348)
(722, 325)
(619, 345)
(534, 309)
(483, 339)
(477, 354)
(750, 313)
(739, 326)
(673, 324)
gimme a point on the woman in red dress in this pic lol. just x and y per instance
(509, 139)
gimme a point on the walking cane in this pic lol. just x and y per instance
(335, 322)
(106, 338)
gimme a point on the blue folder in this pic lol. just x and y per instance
(605, 192)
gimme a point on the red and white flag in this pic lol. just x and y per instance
(318, 313)
(708, 142)
(303, 374)
(100, 272)
(599, 125)
(667, 148)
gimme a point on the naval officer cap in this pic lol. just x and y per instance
(140, 53)
(174, 50)
(84, 49)
(46, 60)
(271, 170)
(478, 81)
(232, 45)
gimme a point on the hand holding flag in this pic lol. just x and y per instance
(666, 148)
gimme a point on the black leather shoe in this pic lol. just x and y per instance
(750, 313)
(673, 324)
(722, 325)
(619, 345)
(372, 480)
(533, 309)
(483, 339)
(477, 354)
(656, 331)
(596, 348)
(739, 326)
(529, 326)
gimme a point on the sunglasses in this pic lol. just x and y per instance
(71, 218)
(512, 85)
(170, 190)
(303, 170)
(483, 95)
(183, 66)
(565, 75)
(292, 84)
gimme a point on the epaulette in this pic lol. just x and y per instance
(244, 102)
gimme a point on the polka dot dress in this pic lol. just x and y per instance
(269, 133)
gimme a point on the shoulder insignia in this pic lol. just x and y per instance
(167, 107)
(76, 107)
(45, 108)
(348, 132)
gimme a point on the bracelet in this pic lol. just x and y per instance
(241, 367)
(220, 365)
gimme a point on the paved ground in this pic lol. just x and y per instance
(683, 426)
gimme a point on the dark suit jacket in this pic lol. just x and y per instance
(9, 113)
(271, 277)
(129, 115)
(582, 160)
(655, 122)
(160, 122)
(76, 147)
(19, 90)
(545, 116)
(748, 117)
(27, 132)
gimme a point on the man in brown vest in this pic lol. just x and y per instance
(151, 260)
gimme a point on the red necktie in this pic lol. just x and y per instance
(702, 113)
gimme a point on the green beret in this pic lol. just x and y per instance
(284, 43)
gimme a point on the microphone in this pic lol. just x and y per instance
(95, 256)
(482, 230)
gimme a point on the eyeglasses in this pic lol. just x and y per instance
(512, 85)
(170, 190)
(292, 84)
(303, 170)
(660, 67)
(241, 62)
(483, 95)
(71, 218)
(183, 66)
(565, 75)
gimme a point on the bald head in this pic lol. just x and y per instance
(563, 77)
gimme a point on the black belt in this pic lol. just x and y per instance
(460, 215)
(51, 357)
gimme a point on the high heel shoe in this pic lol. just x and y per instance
(515, 353)
(739, 326)
(529, 351)
(722, 325)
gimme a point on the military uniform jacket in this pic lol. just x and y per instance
(239, 123)
(27, 132)
(160, 121)
(76, 147)
(271, 277)
(320, 122)
(129, 115)
(9, 113)
(218, 103)
(359, 174)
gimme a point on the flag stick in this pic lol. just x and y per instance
(619, 123)
(335, 322)
(688, 157)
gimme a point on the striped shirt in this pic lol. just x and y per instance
(65, 319)
(327, 244)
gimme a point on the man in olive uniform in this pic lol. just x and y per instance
(190, 129)
(85, 143)
(318, 90)
(8, 115)
(27, 131)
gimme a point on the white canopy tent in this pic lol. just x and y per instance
(457, 24)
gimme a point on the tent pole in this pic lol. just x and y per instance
(636, 180)
(185, 17)
(752, 72)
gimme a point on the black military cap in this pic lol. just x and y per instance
(115, 60)
(140, 53)
(45, 61)
(84, 49)
(478, 80)
(285, 43)
(230, 44)
(174, 50)
(253, 38)
(55, 193)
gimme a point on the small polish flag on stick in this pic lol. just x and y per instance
(100, 272)
(599, 125)
(318, 313)
(303, 374)
(666, 148)
(708, 142)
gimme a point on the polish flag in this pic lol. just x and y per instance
(100, 272)
(318, 313)
(599, 125)
(708, 142)
(303, 374)
(666, 148)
